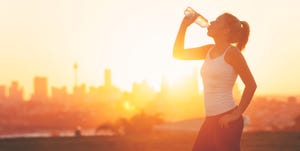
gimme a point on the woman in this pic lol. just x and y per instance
(223, 125)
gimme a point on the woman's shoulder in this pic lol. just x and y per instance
(233, 53)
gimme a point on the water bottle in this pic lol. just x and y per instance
(200, 20)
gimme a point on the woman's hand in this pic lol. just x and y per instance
(228, 118)
(187, 21)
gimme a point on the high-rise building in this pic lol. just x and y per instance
(40, 88)
(15, 93)
(2, 92)
(59, 94)
(79, 93)
(142, 94)
(108, 91)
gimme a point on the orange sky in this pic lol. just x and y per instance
(135, 38)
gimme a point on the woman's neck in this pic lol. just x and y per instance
(221, 46)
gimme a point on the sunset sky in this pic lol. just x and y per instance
(134, 38)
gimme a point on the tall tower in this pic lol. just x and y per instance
(107, 78)
(75, 67)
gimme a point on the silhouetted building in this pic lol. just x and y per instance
(109, 91)
(2, 93)
(93, 94)
(79, 93)
(59, 94)
(40, 89)
(292, 100)
(142, 94)
(15, 93)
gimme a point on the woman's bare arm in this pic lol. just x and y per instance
(237, 60)
(240, 65)
(179, 51)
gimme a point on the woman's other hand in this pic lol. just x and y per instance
(228, 118)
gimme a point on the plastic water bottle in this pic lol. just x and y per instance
(200, 20)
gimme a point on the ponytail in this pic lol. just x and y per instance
(244, 35)
(238, 31)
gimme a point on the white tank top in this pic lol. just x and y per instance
(218, 79)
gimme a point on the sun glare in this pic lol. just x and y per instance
(128, 106)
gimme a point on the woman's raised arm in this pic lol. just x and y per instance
(179, 51)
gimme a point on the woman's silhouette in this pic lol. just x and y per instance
(223, 125)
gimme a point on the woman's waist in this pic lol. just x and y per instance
(219, 115)
(218, 95)
(218, 105)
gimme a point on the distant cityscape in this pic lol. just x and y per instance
(15, 92)
(89, 107)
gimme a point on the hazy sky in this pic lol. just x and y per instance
(134, 38)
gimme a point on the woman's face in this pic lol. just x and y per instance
(218, 27)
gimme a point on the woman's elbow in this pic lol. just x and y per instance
(252, 86)
(175, 56)
(176, 53)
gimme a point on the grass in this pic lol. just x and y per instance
(255, 141)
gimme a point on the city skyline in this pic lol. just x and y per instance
(135, 39)
(43, 90)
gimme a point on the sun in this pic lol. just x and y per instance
(128, 106)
